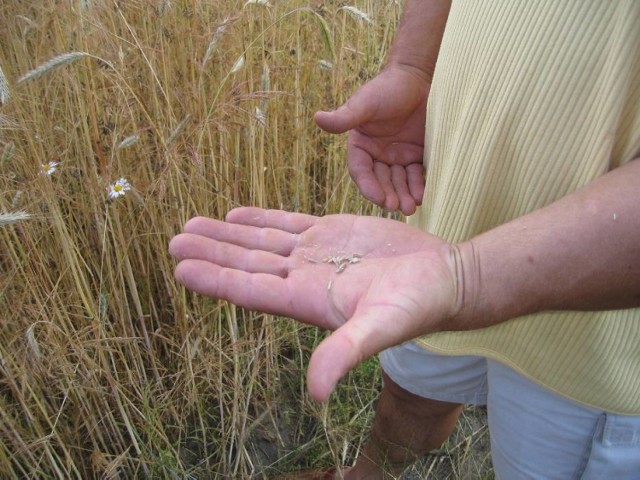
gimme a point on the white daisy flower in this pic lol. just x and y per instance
(48, 168)
(119, 188)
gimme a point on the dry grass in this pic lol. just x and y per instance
(108, 369)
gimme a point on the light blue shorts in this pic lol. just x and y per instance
(535, 433)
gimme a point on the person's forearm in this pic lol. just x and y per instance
(417, 40)
(581, 252)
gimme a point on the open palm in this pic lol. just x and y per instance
(375, 282)
(385, 119)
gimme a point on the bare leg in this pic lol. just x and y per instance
(406, 426)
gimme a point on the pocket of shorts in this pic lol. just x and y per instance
(615, 449)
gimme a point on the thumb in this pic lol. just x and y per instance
(357, 110)
(351, 344)
(330, 361)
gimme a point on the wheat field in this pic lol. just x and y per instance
(119, 121)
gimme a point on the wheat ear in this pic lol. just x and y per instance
(4, 88)
(13, 217)
(52, 64)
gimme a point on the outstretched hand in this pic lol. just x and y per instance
(375, 282)
(385, 119)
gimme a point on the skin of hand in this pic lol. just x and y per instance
(399, 283)
(577, 253)
(385, 119)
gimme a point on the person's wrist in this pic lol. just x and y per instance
(488, 287)
(423, 74)
(468, 311)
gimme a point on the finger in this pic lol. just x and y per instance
(356, 111)
(291, 297)
(383, 174)
(255, 238)
(357, 340)
(403, 154)
(198, 247)
(330, 361)
(399, 181)
(361, 170)
(416, 182)
(279, 219)
(255, 291)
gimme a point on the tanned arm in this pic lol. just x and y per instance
(417, 40)
(581, 252)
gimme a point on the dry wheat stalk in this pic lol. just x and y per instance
(265, 85)
(30, 23)
(327, 36)
(93, 271)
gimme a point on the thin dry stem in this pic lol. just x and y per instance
(109, 369)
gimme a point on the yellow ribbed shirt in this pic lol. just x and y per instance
(531, 101)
